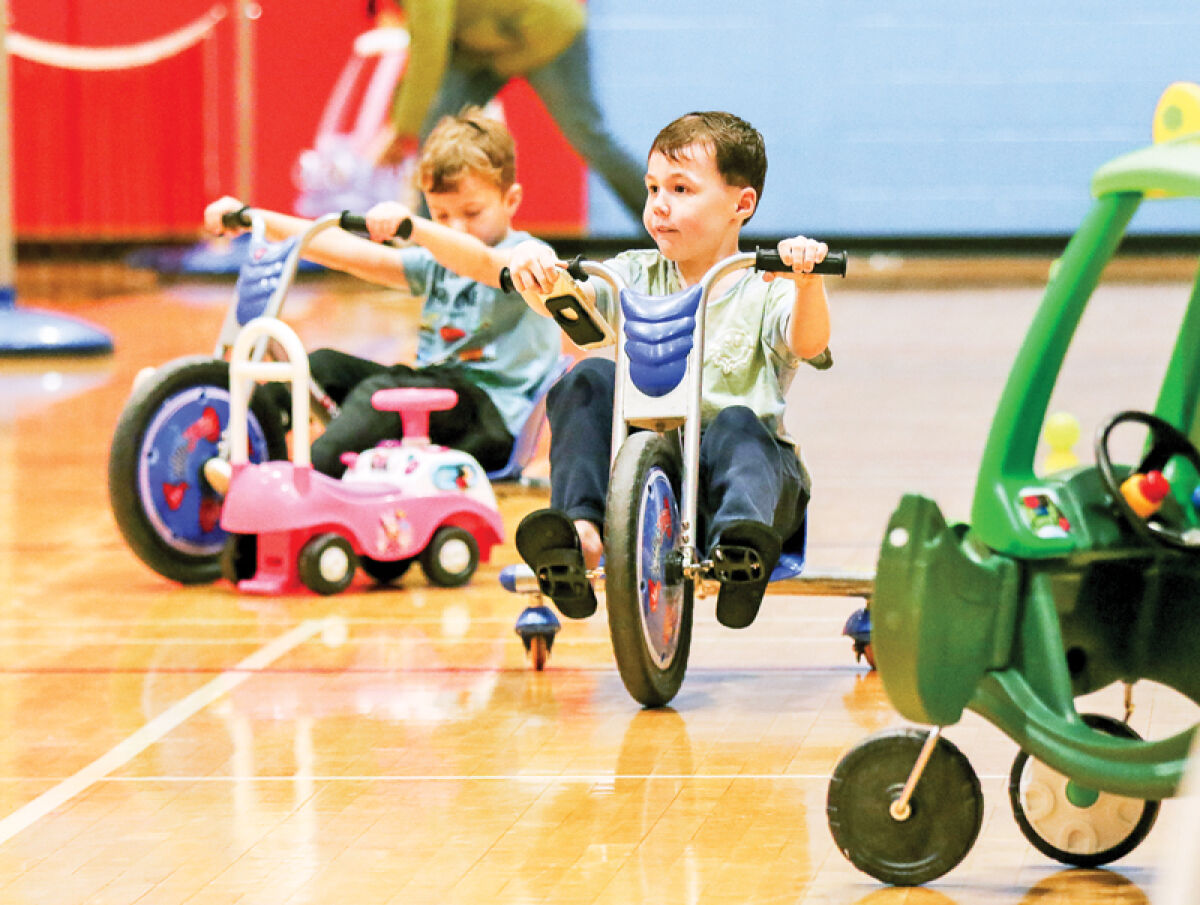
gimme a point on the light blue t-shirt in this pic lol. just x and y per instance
(503, 345)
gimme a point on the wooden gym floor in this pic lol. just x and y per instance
(166, 744)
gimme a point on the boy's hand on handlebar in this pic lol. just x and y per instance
(533, 267)
(385, 219)
(218, 209)
(801, 254)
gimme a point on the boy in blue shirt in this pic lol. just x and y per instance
(704, 178)
(474, 338)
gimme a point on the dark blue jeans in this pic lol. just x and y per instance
(746, 472)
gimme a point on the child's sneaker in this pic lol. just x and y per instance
(549, 544)
(743, 558)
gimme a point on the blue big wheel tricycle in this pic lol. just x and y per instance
(652, 557)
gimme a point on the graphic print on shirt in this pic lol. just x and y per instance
(448, 322)
(732, 349)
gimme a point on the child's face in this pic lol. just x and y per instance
(689, 206)
(477, 206)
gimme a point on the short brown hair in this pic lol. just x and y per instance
(470, 142)
(738, 147)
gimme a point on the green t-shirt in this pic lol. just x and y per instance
(747, 360)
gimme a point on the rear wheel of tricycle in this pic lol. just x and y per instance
(1070, 822)
(945, 810)
(327, 563)
(171, 425)
(649, 598)
(451, 557)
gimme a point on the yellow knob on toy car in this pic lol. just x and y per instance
(1061, 433)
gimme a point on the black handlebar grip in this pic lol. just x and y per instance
(768, 259)
(575, 268)
(234, 219)
(352, 223)
(357, 223)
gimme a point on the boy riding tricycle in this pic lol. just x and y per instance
(484, 344)
(672, 463)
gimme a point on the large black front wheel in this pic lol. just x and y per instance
(649, 599)
(169, 428)
(944, 813)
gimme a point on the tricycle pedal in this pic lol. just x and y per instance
(735, 563)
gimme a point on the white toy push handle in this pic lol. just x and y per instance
(244, 372)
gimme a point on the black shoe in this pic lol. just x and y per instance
(743, 558)
(549, 544)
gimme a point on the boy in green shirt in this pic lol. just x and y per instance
(704, 178)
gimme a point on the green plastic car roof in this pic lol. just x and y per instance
(1171, 168)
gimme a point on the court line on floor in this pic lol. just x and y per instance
(416, 671)
(129, 748)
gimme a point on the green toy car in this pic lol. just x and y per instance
(1056, 588)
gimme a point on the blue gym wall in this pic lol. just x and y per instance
(897, 118)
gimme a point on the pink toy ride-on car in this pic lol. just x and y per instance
(402, 501)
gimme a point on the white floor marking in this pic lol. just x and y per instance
(154, 730)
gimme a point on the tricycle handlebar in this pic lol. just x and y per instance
(833, 264)
(238, 218)
(357, 223)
